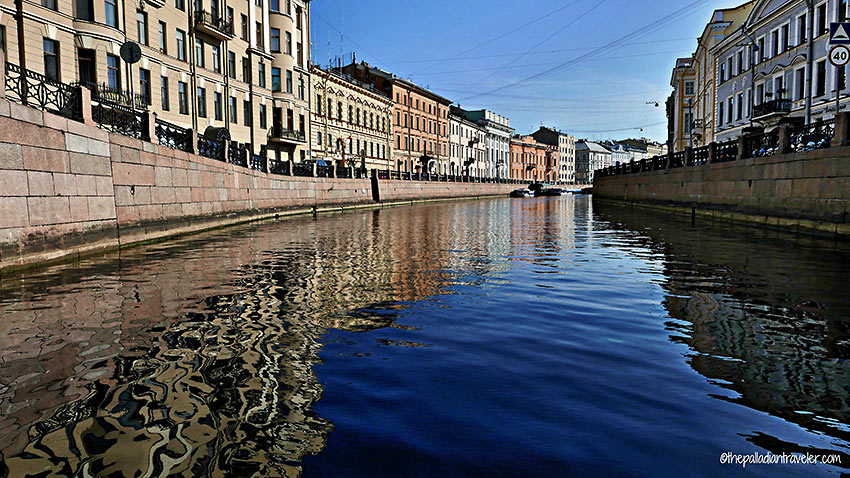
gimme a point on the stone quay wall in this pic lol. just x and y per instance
(806, 191)
(69, 188)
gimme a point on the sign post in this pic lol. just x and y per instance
(131, 53)
(839, 54)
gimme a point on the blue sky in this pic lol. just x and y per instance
(498, 54)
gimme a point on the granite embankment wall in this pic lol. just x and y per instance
(68, 188)
(807, 191)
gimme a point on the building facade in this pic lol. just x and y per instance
(533, 161)
(351, 122)
(499, 133)
(680, 105)
(420, 119)
(619, 153)
(205, 64)
(590, 156)
(566, 145)
(467, 146)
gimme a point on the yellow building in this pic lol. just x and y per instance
(351, 121)
(680, 104)
(241, 66)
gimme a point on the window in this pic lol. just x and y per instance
(731, 106)
(246, 112)
(822, 27)
(163, 40)
(51, 58)
(142, 26)
(180, 4)
(244, 27)
(801, 29)
(330, 108)
(246, 70)
(319, 105)
(740, 112)
(339, 110)
(274, 5)
(259, 35)
(298, 17)
(760, 94)
(350, 114)
(821, 85)
(113, 72)
(181, 45)
(288, 43)
(111, 7)
(778, 87)
(723, 72)
(263, 121)
(689, 88)
(199, 52)
(300, 58)
(202, 102)
(300, 88)
(741, 62)
(84, 10)
(774, 42)
(183, 97)
(163, 92)
(786, 42)
(231, 64)
(218, 106)
(229, 16)
(289, 81)
(275, 78)
(800, 83)
(232, 106)
(51, 4)
(842, 10)
(762, 50)
(145, 84)
(261, 73)
(319, 138)
(275, 40)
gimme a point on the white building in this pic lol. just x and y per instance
(566, 145)
(590, 156)
(467, 147)
(499, 133)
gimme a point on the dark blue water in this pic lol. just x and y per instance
(537, 337)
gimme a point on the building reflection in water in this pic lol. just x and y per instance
(196, 358)
(764, 317)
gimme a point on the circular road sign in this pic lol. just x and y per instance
(839, 55)
(131, 53)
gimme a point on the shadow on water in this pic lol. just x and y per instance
(764, 313)
(195, 358)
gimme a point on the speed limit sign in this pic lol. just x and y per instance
(839, 55)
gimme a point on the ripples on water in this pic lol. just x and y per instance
(540, 337)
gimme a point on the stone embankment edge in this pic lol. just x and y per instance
(785, 224)
(78, 253)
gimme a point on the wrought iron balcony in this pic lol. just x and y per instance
(279, 133)
(213, 25)
(779, 107)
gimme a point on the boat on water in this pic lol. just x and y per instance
(522, 193)
(552, 192)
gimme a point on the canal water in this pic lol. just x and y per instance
(527, 337)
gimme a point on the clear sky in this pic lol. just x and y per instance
(535, 61)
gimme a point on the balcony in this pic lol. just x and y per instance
(213, 25)
(769, 109)
(283, 135)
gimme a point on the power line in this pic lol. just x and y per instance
(498, 37)
(581, 58)
(373, 56)
(617, 130)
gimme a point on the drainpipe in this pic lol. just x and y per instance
(810, 44)
(22, 50)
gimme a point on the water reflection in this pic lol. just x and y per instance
(196, 359)
(765, 316)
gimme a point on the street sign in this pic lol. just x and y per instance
(130, 52)
(839, 33)
(839, 55)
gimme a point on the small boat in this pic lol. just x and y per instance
(552, 192)
(522, 193)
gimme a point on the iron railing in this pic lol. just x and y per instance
(698, 156)
(278, 131)
(726, 151)
(211, 148)
(173, 136)
(216, 22)
(120, 119)
(39, 91)
(257, 162)
(323, 171)
(779, 106)
(237, 154)
(761, 145)
(302, 169)
(811, 136)
(103, 92)
(344, 172)
(280, 167)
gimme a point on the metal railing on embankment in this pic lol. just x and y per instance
(782, 140)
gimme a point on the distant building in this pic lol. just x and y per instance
(363, 138)
(420, 119)
(647, 146)
(680, 107)
(533, 161)
(499, 132)
(566, 145)
(590, 156)
(467, 146)
(619, 153)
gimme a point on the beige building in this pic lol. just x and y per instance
(241, 66)
(351, 121)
